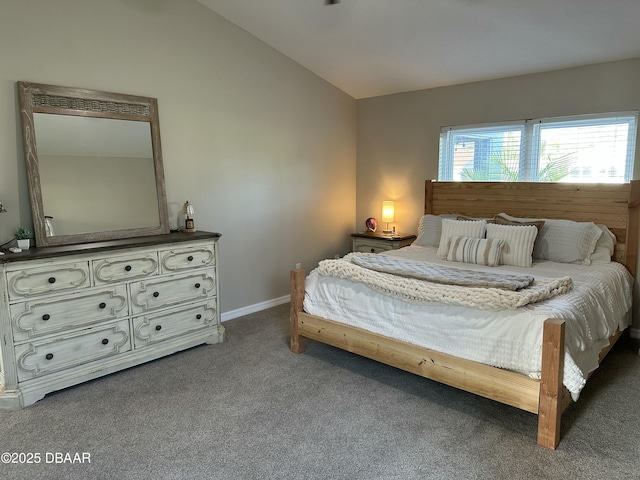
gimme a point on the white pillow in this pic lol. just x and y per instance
(607, 239)
(600, 254)
(604, 246)
(481, 251)
(430, 230)
(459, 228)
(519, 240)
(564, 241)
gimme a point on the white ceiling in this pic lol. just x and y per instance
(377, 47)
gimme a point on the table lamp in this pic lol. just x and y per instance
(187, 211)
(387, 215)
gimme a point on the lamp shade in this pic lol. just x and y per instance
(388, 211)
(187, 209)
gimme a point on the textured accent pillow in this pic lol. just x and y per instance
(430, 230)
(518, 243)
(564, 241)
(460, 228)
(481, 251)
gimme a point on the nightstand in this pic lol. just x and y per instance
(370, 242)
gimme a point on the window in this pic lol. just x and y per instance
(586, 148)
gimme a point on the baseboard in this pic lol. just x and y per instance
(635, 333)
(240, 312)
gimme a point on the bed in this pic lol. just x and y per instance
(615, 206)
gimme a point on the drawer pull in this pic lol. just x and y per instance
(52, 279)
(49, 356)
(128, 268)
(46, 317)
(190, 258)
(158, 327)
(105, 341)
(197, 285)
(103, 305)
(198, 316)
(156, 294)
(373, 250)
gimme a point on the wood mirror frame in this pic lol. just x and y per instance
(69, 101)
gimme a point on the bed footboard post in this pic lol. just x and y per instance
(550, 403)
(297, 344)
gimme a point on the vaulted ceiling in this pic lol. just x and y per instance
(377, 47)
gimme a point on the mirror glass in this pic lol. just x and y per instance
(93, 163)
(88, 156)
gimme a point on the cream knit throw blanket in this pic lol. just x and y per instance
(423, 283)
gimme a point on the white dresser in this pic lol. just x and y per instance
(71, 314)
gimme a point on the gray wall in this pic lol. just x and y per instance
(263, 148)
(398, 134)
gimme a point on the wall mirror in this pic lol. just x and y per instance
(94, 164)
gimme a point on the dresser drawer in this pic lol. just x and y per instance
(52, 278)
(45, 316)
(370, 247)
(42, 357)
(117, 269)
(154, 328)
(171, 290)
(195, 256)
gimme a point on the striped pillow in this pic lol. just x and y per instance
(481, 251)
(519, 240)
(463, 228)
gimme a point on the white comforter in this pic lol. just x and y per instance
(598, 304)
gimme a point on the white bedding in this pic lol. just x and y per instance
(598, 304)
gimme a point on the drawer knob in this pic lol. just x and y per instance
(198, 316)
(102, 305)
(46, 317)
(105, 341)
(52, 279)
(158, 327)
(373, 250)
(190, 258)
(49, 356)
(156, 294)
(128, 268)
(197, 285)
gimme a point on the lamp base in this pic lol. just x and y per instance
(389, 231)
(189, 225)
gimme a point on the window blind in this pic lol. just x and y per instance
(586, 148)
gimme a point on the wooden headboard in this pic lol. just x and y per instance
(615, 205)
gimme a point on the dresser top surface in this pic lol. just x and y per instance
(380, 236)
(36, 253)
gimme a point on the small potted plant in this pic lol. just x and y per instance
(22, 235)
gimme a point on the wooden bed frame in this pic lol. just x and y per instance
(615, 205)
